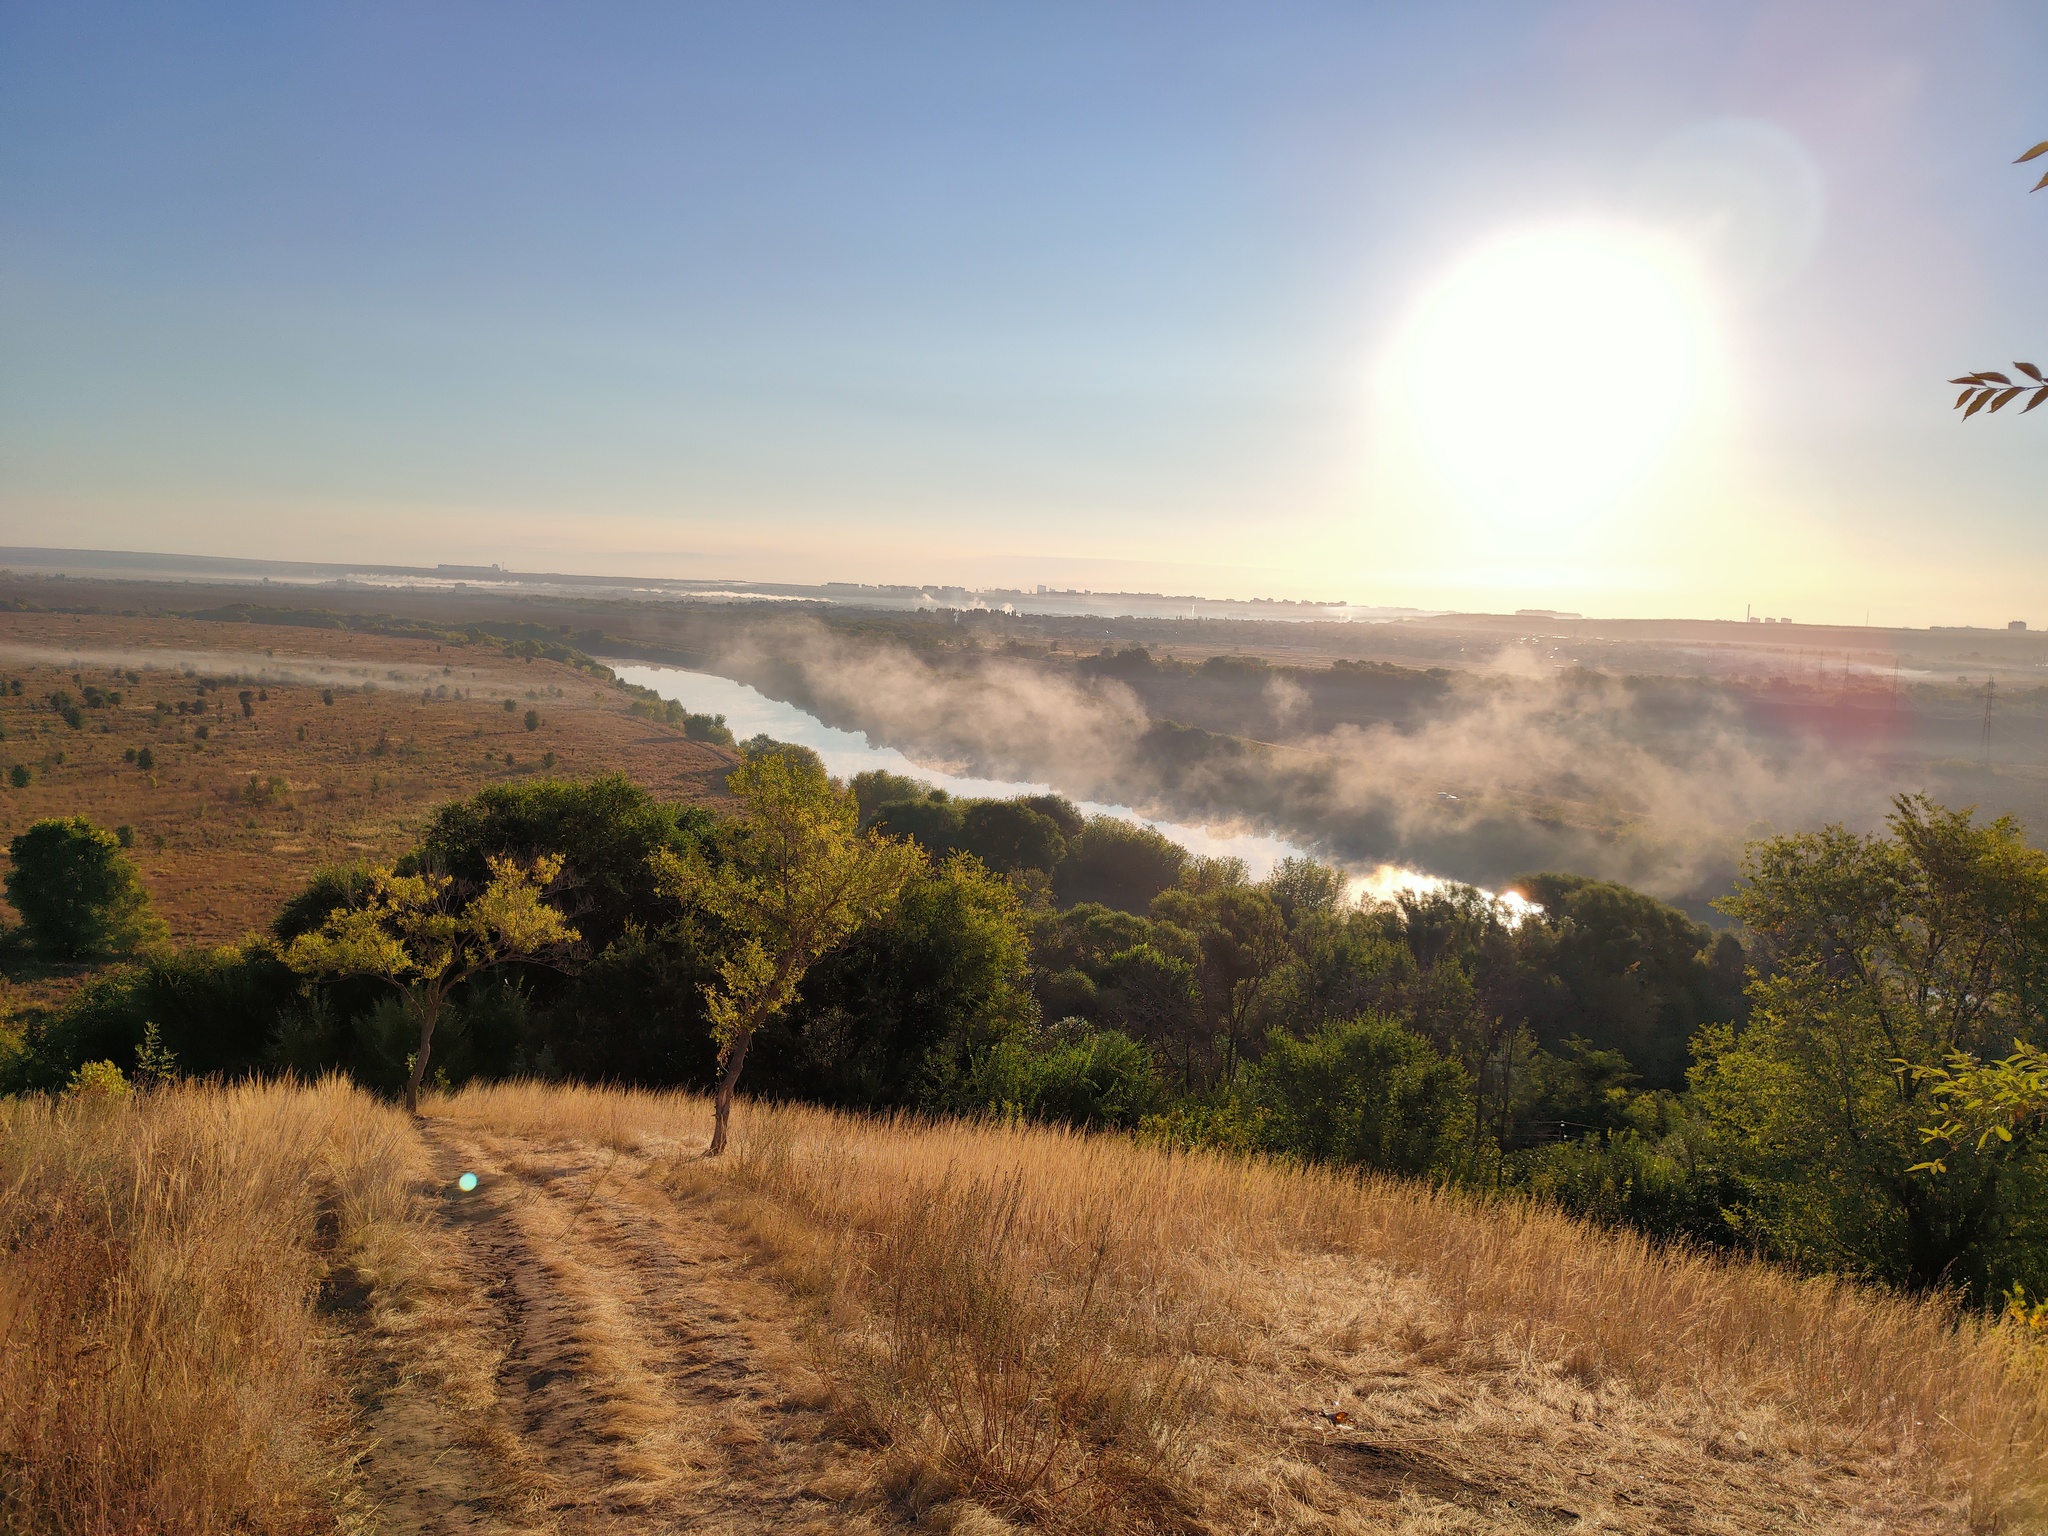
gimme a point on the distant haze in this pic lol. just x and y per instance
(1626, 309)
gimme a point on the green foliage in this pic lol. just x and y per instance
(767, 746)
(1118, 864)
(1630, 973)
(155, 1064)
(876, 787)
(1887, 955)
(909, 1010)
(606, 831)
(215, 1010)
(798, 881)
(332, 889)
(1668, 1187)
(98, 1080)
(1365, 1093)
(77, 895)
(1101, 1079)
(428, 936)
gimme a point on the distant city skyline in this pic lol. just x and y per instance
(1630, 309)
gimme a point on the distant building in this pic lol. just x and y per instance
(2017, 624)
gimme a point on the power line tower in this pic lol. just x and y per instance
(1984, 743)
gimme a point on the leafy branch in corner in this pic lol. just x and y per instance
(1994, 391)
(1990, 391)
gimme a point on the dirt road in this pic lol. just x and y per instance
(600, 1356)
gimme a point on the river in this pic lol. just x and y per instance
(749, 712)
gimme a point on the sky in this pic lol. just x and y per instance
(1632, 309)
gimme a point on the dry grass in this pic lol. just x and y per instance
(247, 1309)
(163, 1367)
(1091, 1334)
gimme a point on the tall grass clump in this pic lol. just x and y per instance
(163, 1368)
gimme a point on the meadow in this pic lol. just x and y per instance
(348, 743)
(274, 1308)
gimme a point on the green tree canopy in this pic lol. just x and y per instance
(79, 897)
(1884, 956)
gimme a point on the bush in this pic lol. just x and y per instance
(1660, 1188)
(216, 1010)
(1364, 1092)
(1100, 1078)
(98, 1079)
(77, 896)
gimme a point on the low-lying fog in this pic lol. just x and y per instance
(749, 712)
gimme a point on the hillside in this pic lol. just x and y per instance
(275, 1309)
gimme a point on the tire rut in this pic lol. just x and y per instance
(646, 1379)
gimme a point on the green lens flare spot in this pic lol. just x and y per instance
(466, 1183)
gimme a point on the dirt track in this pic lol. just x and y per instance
(606, 1361)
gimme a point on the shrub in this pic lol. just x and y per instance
(98, 1079)
(77, 896)
(145, 759)
(1364, 1092)
(533, 719)
(1628, 1180)
(18, 776)
(1098, 1078)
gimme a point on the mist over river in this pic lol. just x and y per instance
(749, 712)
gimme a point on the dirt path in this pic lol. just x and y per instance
(626, 1368)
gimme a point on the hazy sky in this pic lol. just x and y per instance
(1631, 308)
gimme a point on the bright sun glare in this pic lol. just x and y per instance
(1552, 372)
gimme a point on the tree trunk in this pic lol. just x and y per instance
(721, 1104)
(419, 1064)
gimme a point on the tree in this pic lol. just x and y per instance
(1243, 946)
(77, 895)
(1365, 1092)
(1884, 957)
(798, 880)
(427, 935)
(1991, 391)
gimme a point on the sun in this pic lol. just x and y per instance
(1551, 372)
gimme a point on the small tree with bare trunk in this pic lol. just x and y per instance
(420, 934)
(800, 880)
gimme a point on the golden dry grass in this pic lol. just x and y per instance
(163, 1367)
(266, 1309)
(1091, 1334)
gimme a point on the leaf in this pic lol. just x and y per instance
(2037, 186)
(2031, 372)
(1968, 378)
(1966, 395)
(2039, 395)
(1988, 377)
(2038, 150)
(2004, 399)
(1977, 405)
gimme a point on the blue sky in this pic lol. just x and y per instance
(1099, 295)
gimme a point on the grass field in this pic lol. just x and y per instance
(226, 824)
(274, 1309)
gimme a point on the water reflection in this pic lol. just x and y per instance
(749, 712)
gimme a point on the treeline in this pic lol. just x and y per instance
(1014, 957)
